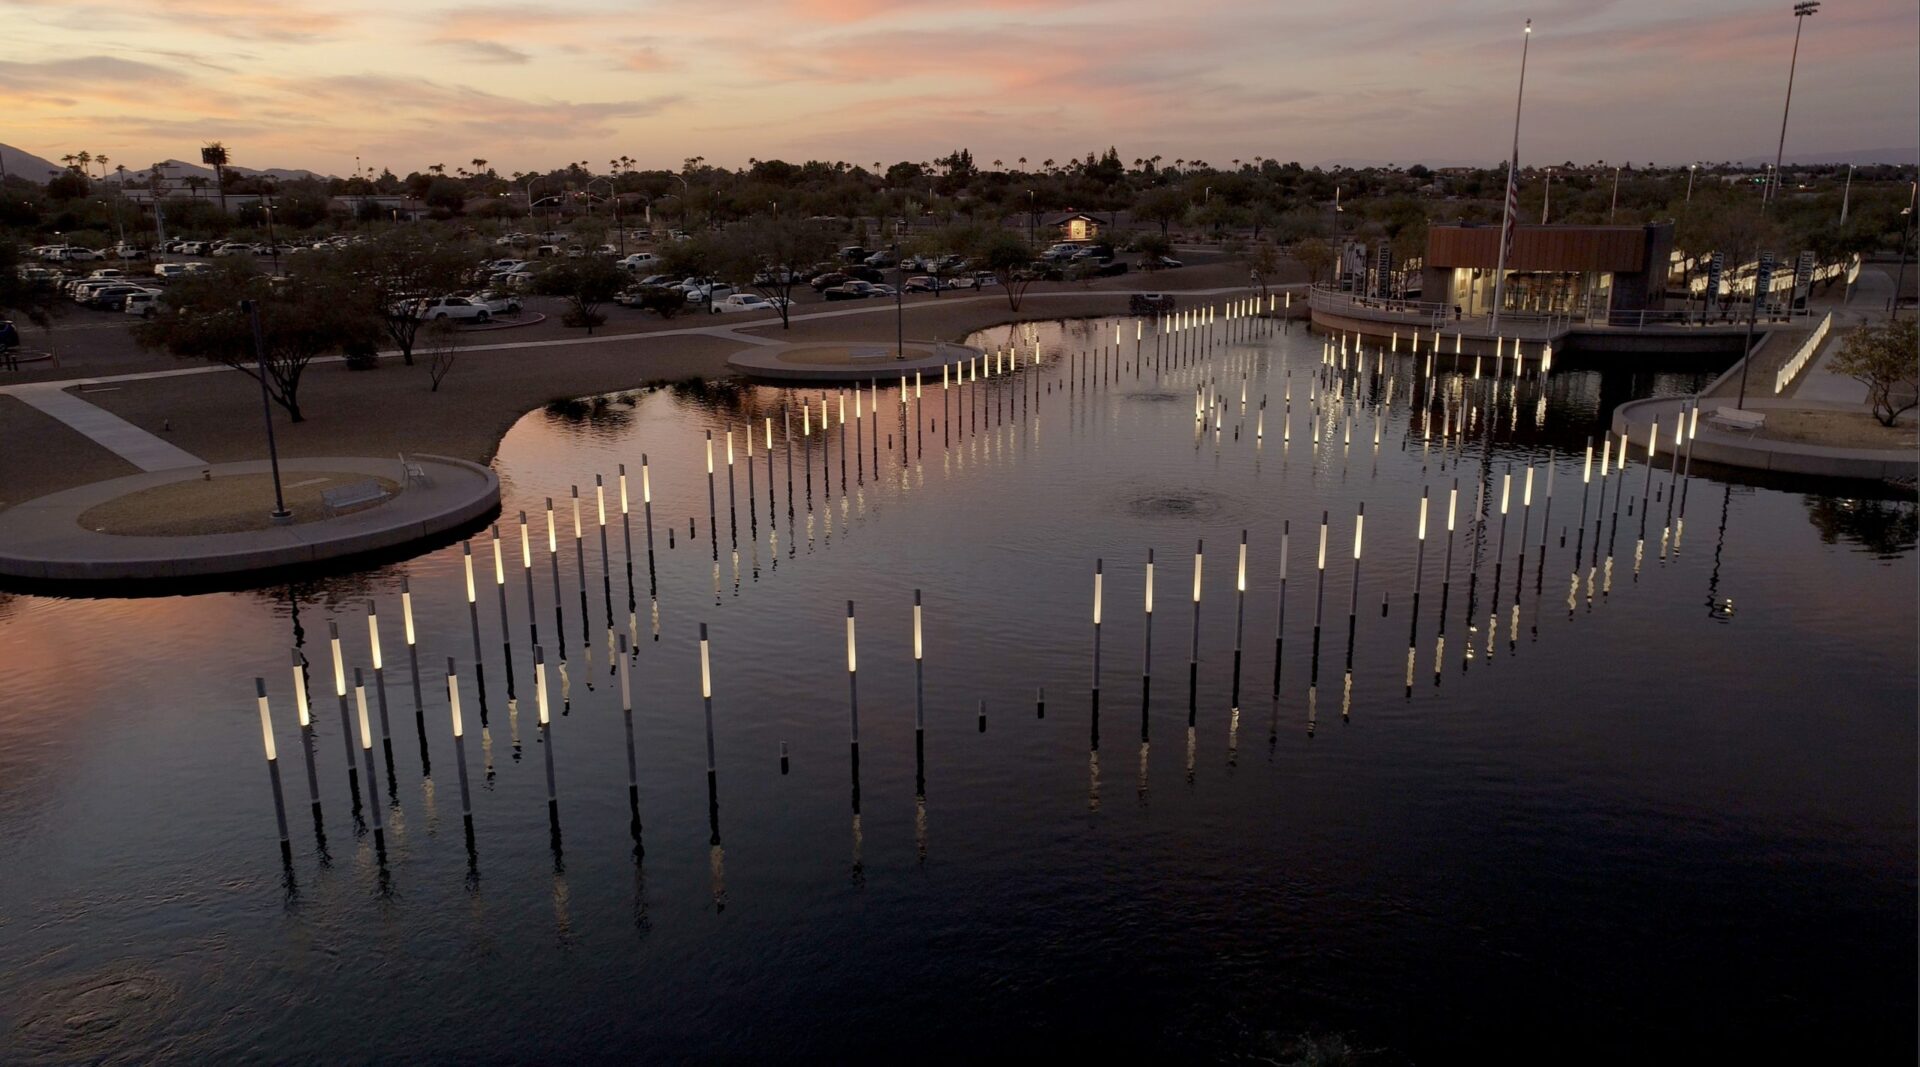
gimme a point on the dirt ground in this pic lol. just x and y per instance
(229, 504)
(1836, 429)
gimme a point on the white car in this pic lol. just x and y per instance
(145, 304)
(640, 261)
(127, 251)
(80, 255)
(232, 250)
(496, 302)
(169, 270)
(740, 302)
(451, 307)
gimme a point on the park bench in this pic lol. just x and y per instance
(1748, 422)
(342, 498)
(412, 473)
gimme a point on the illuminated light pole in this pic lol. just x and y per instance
(273, 771)
(459, 747)
(346, 717)
(366, 752)
(500, 584)
(1193, 658)
(1098, 588)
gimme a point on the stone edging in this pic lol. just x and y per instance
(1787, 457)
(40, 542)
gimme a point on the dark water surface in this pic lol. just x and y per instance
(1675, 820)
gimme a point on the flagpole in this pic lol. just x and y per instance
(1513, 174)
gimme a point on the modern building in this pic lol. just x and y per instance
(1550, 269)
(1078, 226)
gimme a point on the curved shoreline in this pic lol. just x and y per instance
(41, 543)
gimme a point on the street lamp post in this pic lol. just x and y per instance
(1615, 205)
(899, 306)
(281, 516)
(1691, 168)
(1546, 197)
(1800, 12)
(1906, 238)
(1846, 192)
(1033, 216)
(530, 182)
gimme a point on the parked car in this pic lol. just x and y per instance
(653, 280)
(853, 253)
(164, 271)
(544, 251)
(985, 279)
(194, 248)
(740, 302)
(854, 290)
(145, 303)
(450, 307)
(1150, 303)
(822, 282)
(640, 261)
(880, 259)
(127, 251)
(964, 281)
(865, 273)
(921, 283)
(496, 302)
(779, 276)
(232, 249)
(113, 297)
(72, 254)
(1164, 263)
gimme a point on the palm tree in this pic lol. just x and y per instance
(214, 154)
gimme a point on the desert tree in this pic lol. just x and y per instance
(301, 319)
(1886, 359)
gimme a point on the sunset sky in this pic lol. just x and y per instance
(535, 84)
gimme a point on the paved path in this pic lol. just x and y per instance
(1820, 384)
(110, 431)
(150, 453)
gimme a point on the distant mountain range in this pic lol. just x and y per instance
(25, 164)
(22, 164)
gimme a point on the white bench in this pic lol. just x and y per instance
(344, 497)
(1748, 422)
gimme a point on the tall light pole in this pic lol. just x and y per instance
(1800, 12)
(530, 182)
(1033, 216)
(1846, 192)
(1615, 204)
(280, 515)
(1691, 168)
(1513, 174)
(1546, 197)
(1906, 238)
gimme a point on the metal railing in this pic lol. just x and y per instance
(1415, 312)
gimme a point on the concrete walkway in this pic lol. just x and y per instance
(110, 431)
(1820, 384)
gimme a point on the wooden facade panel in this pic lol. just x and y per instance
(1617, 249)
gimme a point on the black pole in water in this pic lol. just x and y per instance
(1240, 615)
(346, 716)
(559, 604)
(460, 749)
(633, 773)
(506, 634)
(1419, 569)
(273, 772)
(306, 745)
(1146, 652)
(473, 617)
(526, 570)
(366, 752)
(413, 669)
(853, 693)
(1098, 582)
(1193, 657)
(546, 739)
(380, 689)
